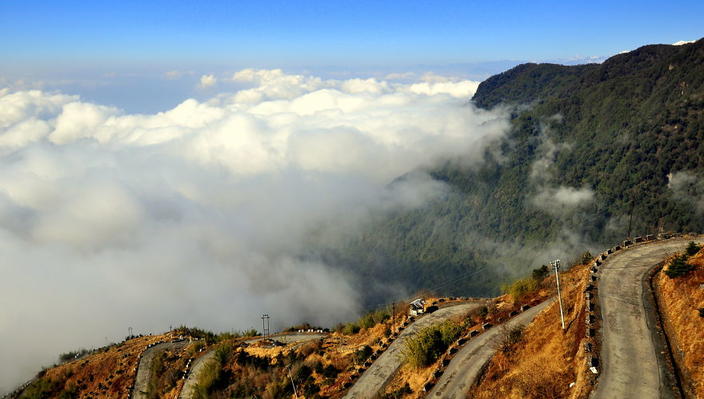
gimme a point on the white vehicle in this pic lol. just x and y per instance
(417, 307)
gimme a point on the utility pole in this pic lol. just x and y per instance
(556, 265)
(265, 327)
(129, 332)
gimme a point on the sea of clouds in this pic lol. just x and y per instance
(200, 215)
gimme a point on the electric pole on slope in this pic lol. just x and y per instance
(265, 327)
(556, 265)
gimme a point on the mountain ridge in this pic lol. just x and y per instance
(619, 134)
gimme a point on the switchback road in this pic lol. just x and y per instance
(141, 384)
(631, 365)
(461, 374)
(381, 371)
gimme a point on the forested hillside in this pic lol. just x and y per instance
(595, 151)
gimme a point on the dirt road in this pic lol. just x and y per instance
(381, 371)
(465, 367)
(631, 365)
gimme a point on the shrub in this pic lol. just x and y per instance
(296, 327)
(540, 273)
(367, 321)
(223, 353)
(208, 377)
(679, 267)
(509, 337)
(521, 287)
(362, 354)
(373, 318)
(329, 371)
(423, 349)
(70, 392)
(693, 248)
(208, 336)
(68, 356)
(309, 348)
(350, 329)
(45, 387)
(585, 258)
(41, 388)
(399, 393)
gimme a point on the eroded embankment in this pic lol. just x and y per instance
(680, 300)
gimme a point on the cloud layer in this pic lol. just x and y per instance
(200, 215)
(687, 186)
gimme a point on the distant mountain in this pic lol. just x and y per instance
(595, 151)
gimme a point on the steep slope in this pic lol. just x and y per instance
(105, 372)
(681, 301)
(595, 152)
(545, 359)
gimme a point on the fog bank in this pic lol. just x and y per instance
(200, 215)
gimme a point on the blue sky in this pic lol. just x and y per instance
(55, 40)
(357, 32)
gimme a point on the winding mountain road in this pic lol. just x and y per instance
(381, 371)
(141, 384)
(631, 365)
(189, 386)
(465, 367)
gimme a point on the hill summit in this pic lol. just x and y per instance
(595, 152)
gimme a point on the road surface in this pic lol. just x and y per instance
(381, 371)
(141, 383)
(467, 364)
(189, 387)
(630, 366)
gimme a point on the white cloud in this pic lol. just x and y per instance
(557, 200)
(561, 199)
(201, 214)
(682, 42)
(207, 81)
(687, 186)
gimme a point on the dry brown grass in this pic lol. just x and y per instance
(679, 299)
(107, 374)
(336, 349)
(546, 359)
(498, 311)
(412, 376)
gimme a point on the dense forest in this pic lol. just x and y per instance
(596, 152)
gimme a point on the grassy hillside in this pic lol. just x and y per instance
(544, 359)
(595, 151)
